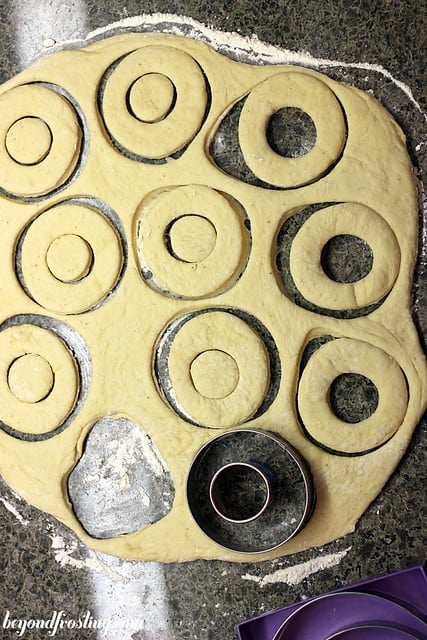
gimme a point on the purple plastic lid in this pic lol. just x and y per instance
(407, 587)
(326, 615)
(372, 633)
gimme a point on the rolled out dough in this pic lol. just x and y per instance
(135, 138)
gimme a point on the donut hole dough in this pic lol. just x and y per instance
(192, 238)
(69, 258)
(151, 97)
(30, 378)
(28, 141)
(214, 373)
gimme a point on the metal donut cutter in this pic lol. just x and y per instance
(250, 491)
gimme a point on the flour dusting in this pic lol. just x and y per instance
(229, 43)
(63, 554)
(297, 573)
(14, 511)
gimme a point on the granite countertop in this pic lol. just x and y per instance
(43, 567)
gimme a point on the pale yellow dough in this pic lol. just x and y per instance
(155, 102)
(220, 331)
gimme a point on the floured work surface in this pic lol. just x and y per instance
(153, 297)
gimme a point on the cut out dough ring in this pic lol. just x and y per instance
(216, 271)
(158, 139)
(219, 331)
(291, 89)
(40, 104)
(305, 257)
(102, 232)
(346, 355)
(65, 352)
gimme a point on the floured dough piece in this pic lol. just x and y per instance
(151, 288)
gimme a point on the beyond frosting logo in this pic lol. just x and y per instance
(59, 621)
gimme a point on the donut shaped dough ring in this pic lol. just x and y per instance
(155, 140)
(346, 218)
(52, 108)
(347, 355)
(70, 217)
(219, 330)
(291, 89)
(209, 276)
(45, 415)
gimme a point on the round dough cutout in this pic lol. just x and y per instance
(41, 379)
(28, 141)
(201, 347)
(305, 260)
(79, 258)
(192, 241)
(311, 95)
(40, 141)
(30, 378)
(71, 257)
(192, 238)
(153, 101)
(151, 97)
(214, 373)
(347, 355)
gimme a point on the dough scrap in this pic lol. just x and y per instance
(119, 160)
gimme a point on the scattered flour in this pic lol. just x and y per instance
(297, 573)
(13, 510)
(229, 43)
(63, 554)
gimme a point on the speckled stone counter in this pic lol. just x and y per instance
(43, 567)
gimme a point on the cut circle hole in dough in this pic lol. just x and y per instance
(346, 258)
(291, 132)
(353, 397)
(214, 373)
(30, 378)
(192, 238)
(151, 97)
(351, 356)
(69, 258)
(28, 141)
